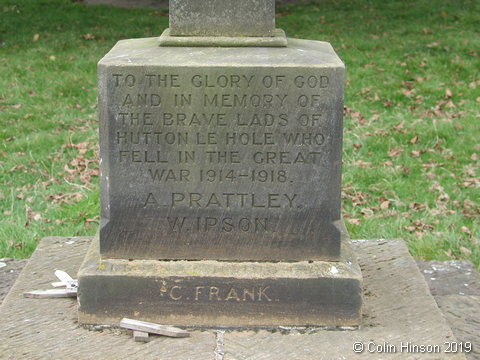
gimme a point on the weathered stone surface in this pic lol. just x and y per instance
(48, 328)
(455, 284)
(398, 308)
(454, 277)
(278, 39)
(216, 153)
(463, 315)
(219, 293)
(8, 274)
(222, 17)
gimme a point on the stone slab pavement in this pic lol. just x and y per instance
(455, 285)
(398, 308)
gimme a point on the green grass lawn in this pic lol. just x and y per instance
(412, 124)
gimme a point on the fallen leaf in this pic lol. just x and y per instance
(36, 37)
(474, 157)
(467, 204)
(448, 93)
(384, 205)
(416, 206)
(414, 140)
(88, 37)
(465, 230)
(465, 251)
(399, 125)
(395, 152)
(361, 163)
(354, 221)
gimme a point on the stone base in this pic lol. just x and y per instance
(397, 307)
(278, 40)
(219, 293)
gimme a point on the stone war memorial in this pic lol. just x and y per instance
(221, 155)
(221, 164)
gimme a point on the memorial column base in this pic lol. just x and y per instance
(221, 293)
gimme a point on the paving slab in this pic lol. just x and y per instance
(452, 277)
(48, 328)
(9, 271)
(399, 311)
(455, 286)
(398, 308)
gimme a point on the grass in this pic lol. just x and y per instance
(412, 102)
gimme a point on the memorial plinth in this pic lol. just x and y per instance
(220, 182)
(218, 293)
(221, 154)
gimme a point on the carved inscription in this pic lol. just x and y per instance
(217, 293)
(223, 143)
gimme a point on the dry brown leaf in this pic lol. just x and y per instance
(361, 163)
(448, 93)
(471, 182)
(388, 103)
(36, 216)
(465, 251)
(88, 37)
(467, 204)
(414, 140)
(36, 37)
(354, 221)
(395, 152)
(384, 205)
(465, 230)
(399, 125)
(416, 206)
